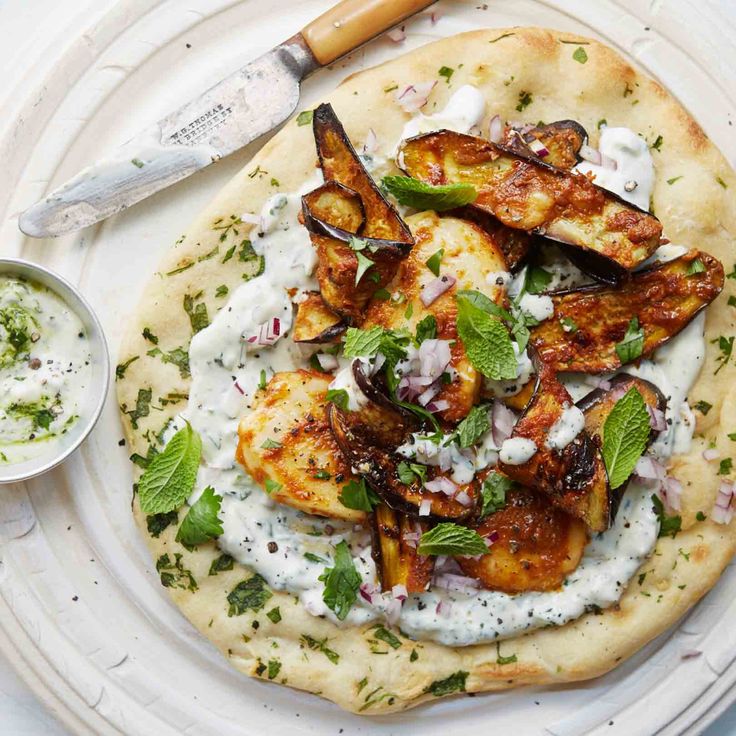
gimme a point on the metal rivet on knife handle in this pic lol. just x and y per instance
(353, 22)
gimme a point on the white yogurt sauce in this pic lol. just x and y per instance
(633, 177)
(569, 425)
(517, 450)
(539, 306)
(45, 369)
(251, 519)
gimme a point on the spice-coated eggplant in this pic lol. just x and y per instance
(599, 403)
(464, 252)
(331, 214)
(525, 193)
(535, 545)
(557, 143)
(368, 438)
(315, 322)
(574, 477)
(287, 440)
(396, 558)
(589, 322)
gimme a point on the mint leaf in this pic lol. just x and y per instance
(494, 490)
(486, 340)
(452, 684)
(362, 343)
(341, 582)
(356, 495)
(426, 329)
(630, 348)
(421, 196)
(625, 435)
(201, 522)
(434, 262)
(168, 481)
(668, 525)
(451, 539)
(473, 427)
(248, 595)
(406, 472)
(339, 397)
(537, 279)
(363, 265)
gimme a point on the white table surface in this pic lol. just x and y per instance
(22, 21)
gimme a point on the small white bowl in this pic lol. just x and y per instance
(95, 398)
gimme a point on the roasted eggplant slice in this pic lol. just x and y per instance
(535, 545)
(395, 556)
(350, 268)
(574, 476)
(287, 440)
(368, 438)
(349, 206)
(527, 194)
(598, 404)
(467, 254)
(340, 163)
(557, 143)
(590, 322)
(315, 322)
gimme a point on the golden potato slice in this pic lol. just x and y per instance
(536, 545)
(469, 255)
(287, 440)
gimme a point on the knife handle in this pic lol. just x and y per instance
(353, 22)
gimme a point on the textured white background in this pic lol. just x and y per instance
(24, 24)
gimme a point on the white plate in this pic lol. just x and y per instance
(82, 614)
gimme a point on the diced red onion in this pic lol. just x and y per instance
(464, 499)
(238, 388)
(397, 35)
(411, 536)
(441, 484)
(656, 419)
(400, 592)
(672, 489)
(435, 289)
(538, 147)
(251, 218)
(590, 154)
(371, 142)
(370, 593)
(502, 422)
(435, 406)
(690, 653)
(711, 454)
(266, 334)
(722, 512)
(443, 608)
(434, 16)
(429, 393)
(413, 97)
(434, 356)
(495, 129)
(459, 583)
(425, 507)
(597, 382)
(648, 468)
(327, 362)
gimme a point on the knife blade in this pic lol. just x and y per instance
(247, 104)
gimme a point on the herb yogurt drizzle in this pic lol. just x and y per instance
(44, 368)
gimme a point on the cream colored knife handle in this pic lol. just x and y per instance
(353, 22)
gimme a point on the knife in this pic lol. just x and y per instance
(236, 111)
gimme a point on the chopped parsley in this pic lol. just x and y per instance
(525, 99)
(446, 72)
